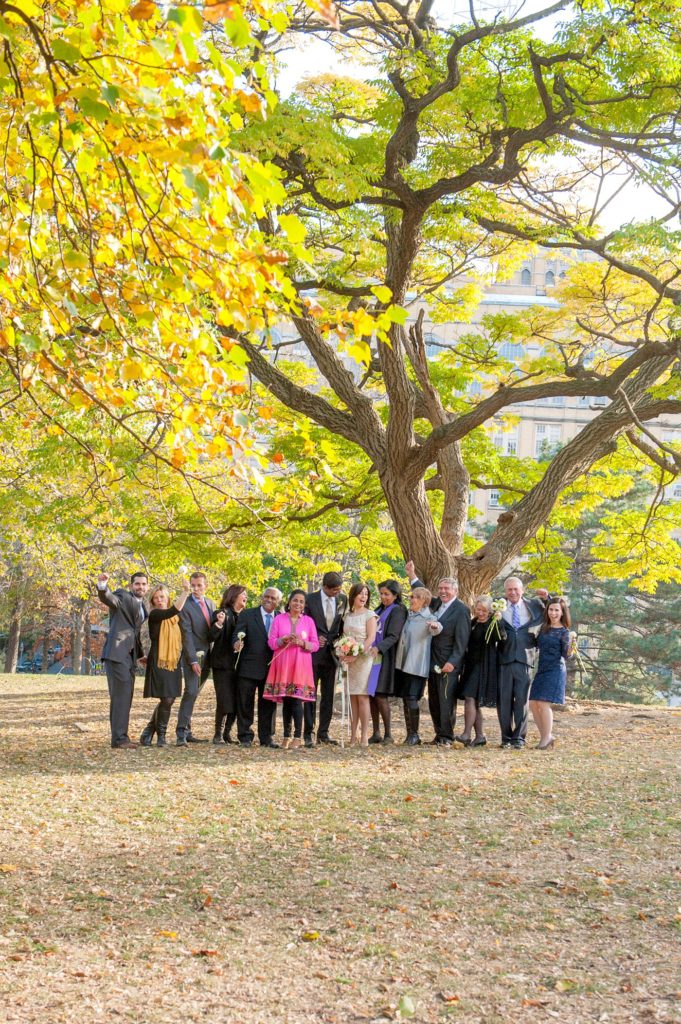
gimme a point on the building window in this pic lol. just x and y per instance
(434, 344)
(526, 278)
(494, 501)
(506, 441)
(676, 491)
(510, 351)
(549, 279)
(546, 439)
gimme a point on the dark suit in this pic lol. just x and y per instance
(120, 654)
(252, 668)
(196, 633)
(448, 646)
(324, 664)
(516, 659)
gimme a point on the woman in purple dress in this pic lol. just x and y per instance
(548, 686)
(392, 616)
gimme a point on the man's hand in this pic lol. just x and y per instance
(410, 570)
(238, 647)
(143, 660)
(323, 641)
(542, 593)
(103, 578)
(196, 668)
(447, 667)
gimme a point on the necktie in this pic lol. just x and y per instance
(440, 612)
(515, 616)
(330, 613)
(204, 609)
(268, 623)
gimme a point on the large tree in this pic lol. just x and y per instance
(473, 141)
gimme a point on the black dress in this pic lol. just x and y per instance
(387, 645)
(480, 676)
(161, 682)
(222, 659)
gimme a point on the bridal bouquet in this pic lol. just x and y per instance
(348, 647)
(500, 607)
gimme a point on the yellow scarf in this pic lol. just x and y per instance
(169, 644)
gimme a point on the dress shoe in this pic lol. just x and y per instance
(505, 746)
(181, 740)
(195, 739)
(309, 742)
(517, 744)
(413, 740)
(547, 746)
(327, 740)
(271, 745)
(125, 745)
(375, 738)
(387, 740)
(462, 739)
(479, 741)
(218, 740)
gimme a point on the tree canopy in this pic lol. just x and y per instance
(164, 210)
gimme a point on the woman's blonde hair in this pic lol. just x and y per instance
(423, 593)
(157, 590)
(483, 599)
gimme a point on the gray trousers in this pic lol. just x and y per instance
(193, 685)
(120, 675)
(512, 706)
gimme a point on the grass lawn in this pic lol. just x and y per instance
(213, 884)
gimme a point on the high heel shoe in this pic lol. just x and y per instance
(479, 741)
(462, 739)
(547, 746)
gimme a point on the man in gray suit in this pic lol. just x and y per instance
(197, 618)
(122, 650)
(447, 651)
(522, 618)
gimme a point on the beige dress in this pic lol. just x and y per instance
(355, 625)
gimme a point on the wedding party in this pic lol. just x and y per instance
(307, 652)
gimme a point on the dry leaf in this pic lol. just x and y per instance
(143, 10)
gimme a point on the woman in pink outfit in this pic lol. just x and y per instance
(293, 638)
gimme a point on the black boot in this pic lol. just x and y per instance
(149, 731)
(162, 718)
(231, 719)
(413, 739)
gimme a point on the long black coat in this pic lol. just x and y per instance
(388, 647)
(222, 654)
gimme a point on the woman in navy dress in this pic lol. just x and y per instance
(479, 681)
(548, 686)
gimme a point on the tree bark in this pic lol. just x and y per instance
(12, 652)
(79, 606)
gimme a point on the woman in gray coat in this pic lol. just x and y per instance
(412, 660)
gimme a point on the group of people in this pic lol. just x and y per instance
(293, 658)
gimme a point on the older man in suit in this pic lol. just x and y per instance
(197, 619)
(326, 607)
(254, 654)
(522, 619)
(447, 651)
(122, 650)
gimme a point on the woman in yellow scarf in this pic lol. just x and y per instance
(163, 679)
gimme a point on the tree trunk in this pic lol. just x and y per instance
(12, 652)
(79, 605)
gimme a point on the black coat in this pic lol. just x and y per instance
(254, 660)
(388, 647)
(222, 654)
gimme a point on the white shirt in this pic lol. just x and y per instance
(522, 612)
